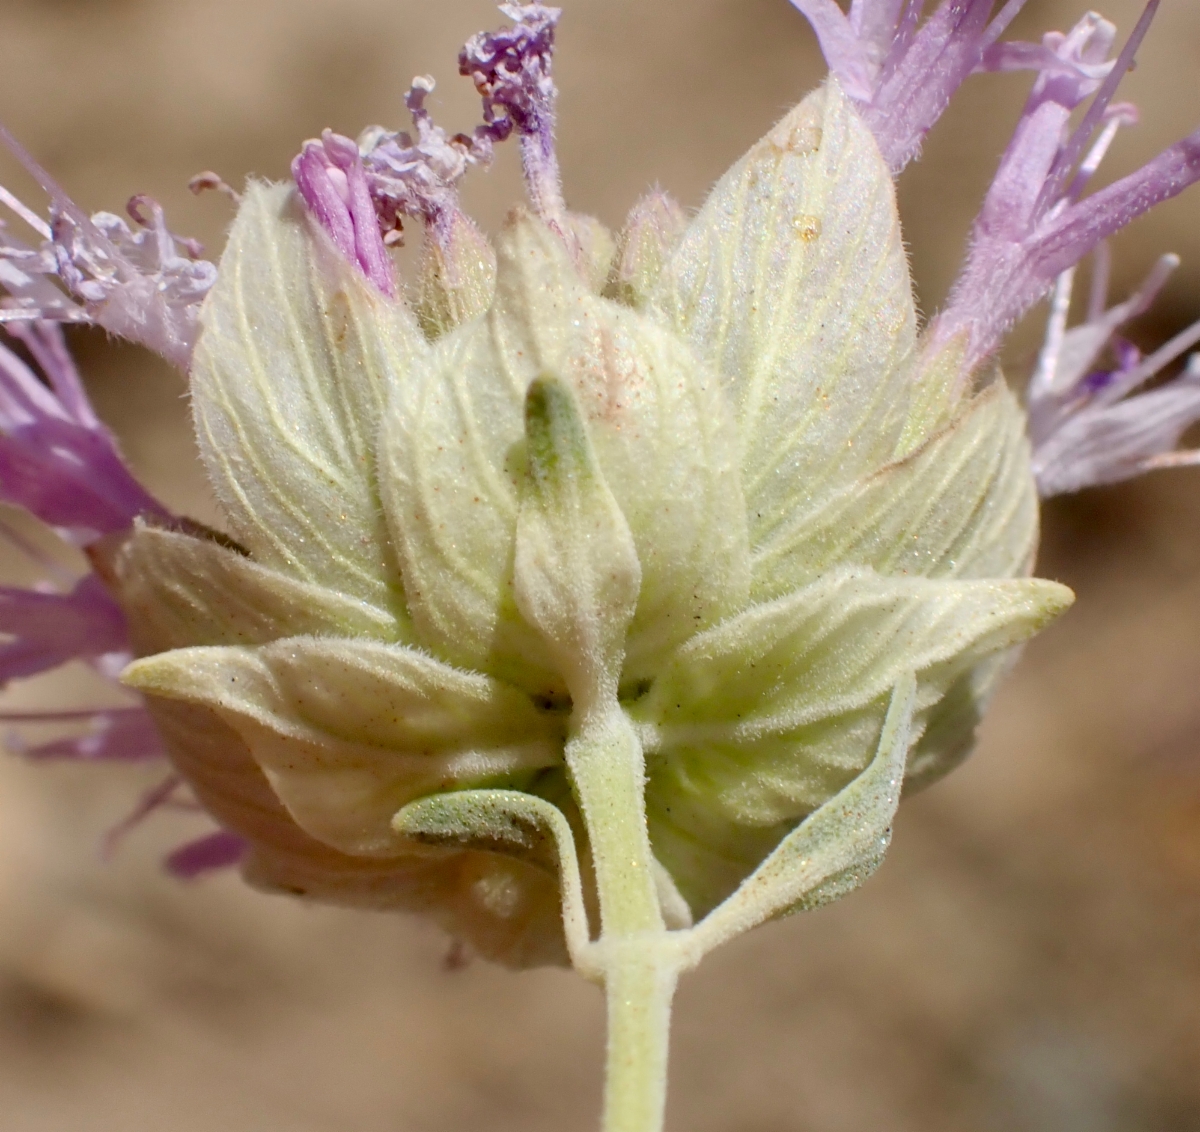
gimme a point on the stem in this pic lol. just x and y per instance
(636, 954)
(639, 984)
(607, 770)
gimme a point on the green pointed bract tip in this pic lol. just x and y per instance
(576, 572)
(710, 491)
(560, 456)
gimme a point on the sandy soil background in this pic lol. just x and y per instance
(1026, 960)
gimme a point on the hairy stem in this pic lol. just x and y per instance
(607, 771)
(635, 954)
(639, 984)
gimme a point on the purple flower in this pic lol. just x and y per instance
(56, 459)
(59, 463)
(218, 850)
(902, 78)
(123, 734)
(511, 69)
(1088, 421)
(208, 853)
(1035, 222)
(359, 193)
(145, 283)
(1086, 424)
(330, 176)
(399, 175)
(420, 177)
(48, 629)
(56, 623)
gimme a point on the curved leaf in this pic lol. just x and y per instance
(832, 851)
(511, 822)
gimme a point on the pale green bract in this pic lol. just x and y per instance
(716, 542)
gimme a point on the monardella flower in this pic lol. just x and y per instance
(511, 69)
(59, 463)
(1035, 222)
(56, 459)
(1086, 423)
(901, 74)
(599, 602)
(144, 283)
(420, 177)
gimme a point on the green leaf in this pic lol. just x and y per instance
(348, 731)
(761, 720)
(793, 281)
(288, 381)
(832, 851)
(511, 822)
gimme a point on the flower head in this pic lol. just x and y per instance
(684, 548)
(571, 509)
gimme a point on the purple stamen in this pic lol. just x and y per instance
(902, 78)
(145, 285)
(511, 69)
(1033, 226)
(56, 459)
(1085, 426)
(419, 177)
(1069, 154)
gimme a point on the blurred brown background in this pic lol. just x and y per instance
(1026, 961)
